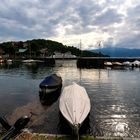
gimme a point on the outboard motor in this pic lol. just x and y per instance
(5, 123)
(76, 128)
(16, 128)
(21, 122)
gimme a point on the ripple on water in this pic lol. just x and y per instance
(114, 95)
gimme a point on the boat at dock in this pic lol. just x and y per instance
(109, 64)
(31, 61)
(51, 84)
(9, 61)
(74, 105)
(28, 61)
(117, 63)
(136, 63)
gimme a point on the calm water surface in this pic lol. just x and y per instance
(114, 95)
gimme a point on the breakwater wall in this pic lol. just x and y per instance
(98, 62)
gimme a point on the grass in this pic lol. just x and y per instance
(36, 136)
(29, 136)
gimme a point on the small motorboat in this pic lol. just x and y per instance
(136, 63)
(74, 105)
(28, 61)
(9, 61)
(127, 63)
(117, 64)
(107, 63)
(51, 84)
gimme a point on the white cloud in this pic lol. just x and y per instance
(70, 21)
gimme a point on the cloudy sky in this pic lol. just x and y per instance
(113, 22)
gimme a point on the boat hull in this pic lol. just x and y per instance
(50, 84)
(49, 98)
(67, 128)
(74, 105)
(50, 87)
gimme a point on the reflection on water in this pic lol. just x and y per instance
(114, 95)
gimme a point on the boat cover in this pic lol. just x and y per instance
(51, 81)
(74, 104)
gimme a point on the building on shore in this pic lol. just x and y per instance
(63, 55)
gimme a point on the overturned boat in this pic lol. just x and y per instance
(51, 84)
(74, 105)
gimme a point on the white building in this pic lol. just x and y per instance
(63, 55)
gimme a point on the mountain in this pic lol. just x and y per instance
(118, 52)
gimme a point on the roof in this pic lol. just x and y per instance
(22, 50)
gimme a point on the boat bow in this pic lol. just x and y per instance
(74, 104)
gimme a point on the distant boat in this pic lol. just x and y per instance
(107, 63)
(74, 105)
(136, 63)
(117, 64)
(51, 83)
(28, 61)
(9, 61)
(126, 63)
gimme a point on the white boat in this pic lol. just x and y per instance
(107, 63)
(74, 105)
(127, 63)
(29, 61)
(136, 63)
(9, 61)
(117, 64)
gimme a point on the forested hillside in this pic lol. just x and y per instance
(36, 45)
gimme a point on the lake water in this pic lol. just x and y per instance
(114, 95)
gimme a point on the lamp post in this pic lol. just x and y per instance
(99, 46)
(80, 48)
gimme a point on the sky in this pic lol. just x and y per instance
(114, 23)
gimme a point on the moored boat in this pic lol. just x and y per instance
(29, 61)
(9, 61)
(107, 63)
(50, 84)
(117, 64)
(136, 63)
(74, 105)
